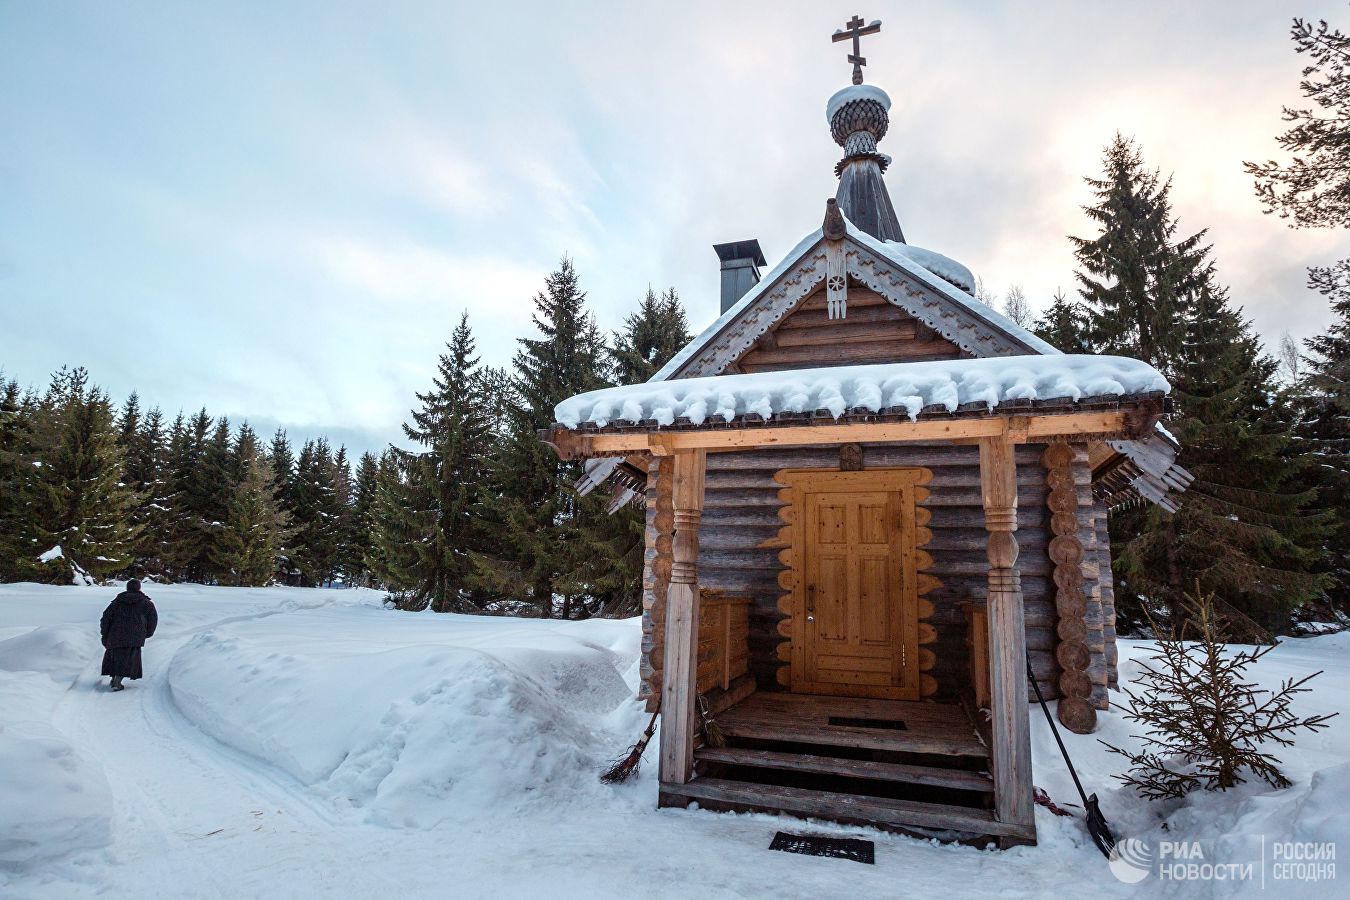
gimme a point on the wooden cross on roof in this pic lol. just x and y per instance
(855, 29)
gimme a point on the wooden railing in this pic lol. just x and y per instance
(723, 631)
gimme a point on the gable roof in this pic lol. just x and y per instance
(1145, 468)
(883, 266)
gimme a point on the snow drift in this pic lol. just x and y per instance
(416, 735)
(55, 799)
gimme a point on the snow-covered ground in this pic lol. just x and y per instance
(309, 743)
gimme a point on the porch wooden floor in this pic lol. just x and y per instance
(784, 754)
(930, 728)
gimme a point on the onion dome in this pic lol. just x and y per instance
(859, 116)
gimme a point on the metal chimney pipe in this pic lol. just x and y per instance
(741, 262)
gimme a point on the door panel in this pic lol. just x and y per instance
(873, 600)
(872, 528)
(857, 628)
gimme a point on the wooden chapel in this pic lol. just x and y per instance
(870, 501)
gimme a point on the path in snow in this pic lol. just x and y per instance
(191, 814)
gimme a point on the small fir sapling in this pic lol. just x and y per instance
(1205, 721)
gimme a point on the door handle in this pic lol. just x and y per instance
(810, 598)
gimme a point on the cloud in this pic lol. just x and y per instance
(403, 151)
(408, 270)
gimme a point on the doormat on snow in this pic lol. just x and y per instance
(817, 845)
(850, 722)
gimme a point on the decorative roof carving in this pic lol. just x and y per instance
(767, 310)
(931, 307)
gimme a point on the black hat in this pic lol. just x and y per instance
(134, 585)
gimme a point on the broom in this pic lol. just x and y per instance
(711, 733)
(625, 767)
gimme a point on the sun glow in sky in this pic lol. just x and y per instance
(280, 210)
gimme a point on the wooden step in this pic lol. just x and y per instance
(848, 768)
(791, 721)
(846, 808)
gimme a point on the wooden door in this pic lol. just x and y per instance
(856, 628)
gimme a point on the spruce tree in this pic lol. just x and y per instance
(245, 449)
(18, 411)
(1247, 530)
(499, 397)
(281, 463)
(535, 508)
(248, 543)
(1313, 190)
(246, 549)
(650, 337)
(342, 492)
(1064, 325)
(129, 422)
(209, 487)
(189, 539)
(78, 499)
(316, 515)
(177, 525)
(612, 546)
(1136, 276)
(147, 473)
(136, 438)
(1324, 424)
(361, 529)
(386, 556)
(442, 486)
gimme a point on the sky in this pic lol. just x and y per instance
(279, 211)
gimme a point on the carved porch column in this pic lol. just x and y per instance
(679, 688)
(1007, 637)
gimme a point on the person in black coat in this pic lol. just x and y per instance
(127, 622)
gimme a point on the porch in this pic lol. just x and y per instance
(916, 767)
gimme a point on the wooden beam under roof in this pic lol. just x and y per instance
(571, 444)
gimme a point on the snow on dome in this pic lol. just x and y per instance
(907, 386)
(944, 267)
(855, 92)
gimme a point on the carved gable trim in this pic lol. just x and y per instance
(945, 315)
(948, 317)
(759, 317)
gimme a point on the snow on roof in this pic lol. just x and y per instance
(943, 267)
(904, 258)
(885, 386)
(855, 92)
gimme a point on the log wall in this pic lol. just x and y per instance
(738, 552)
